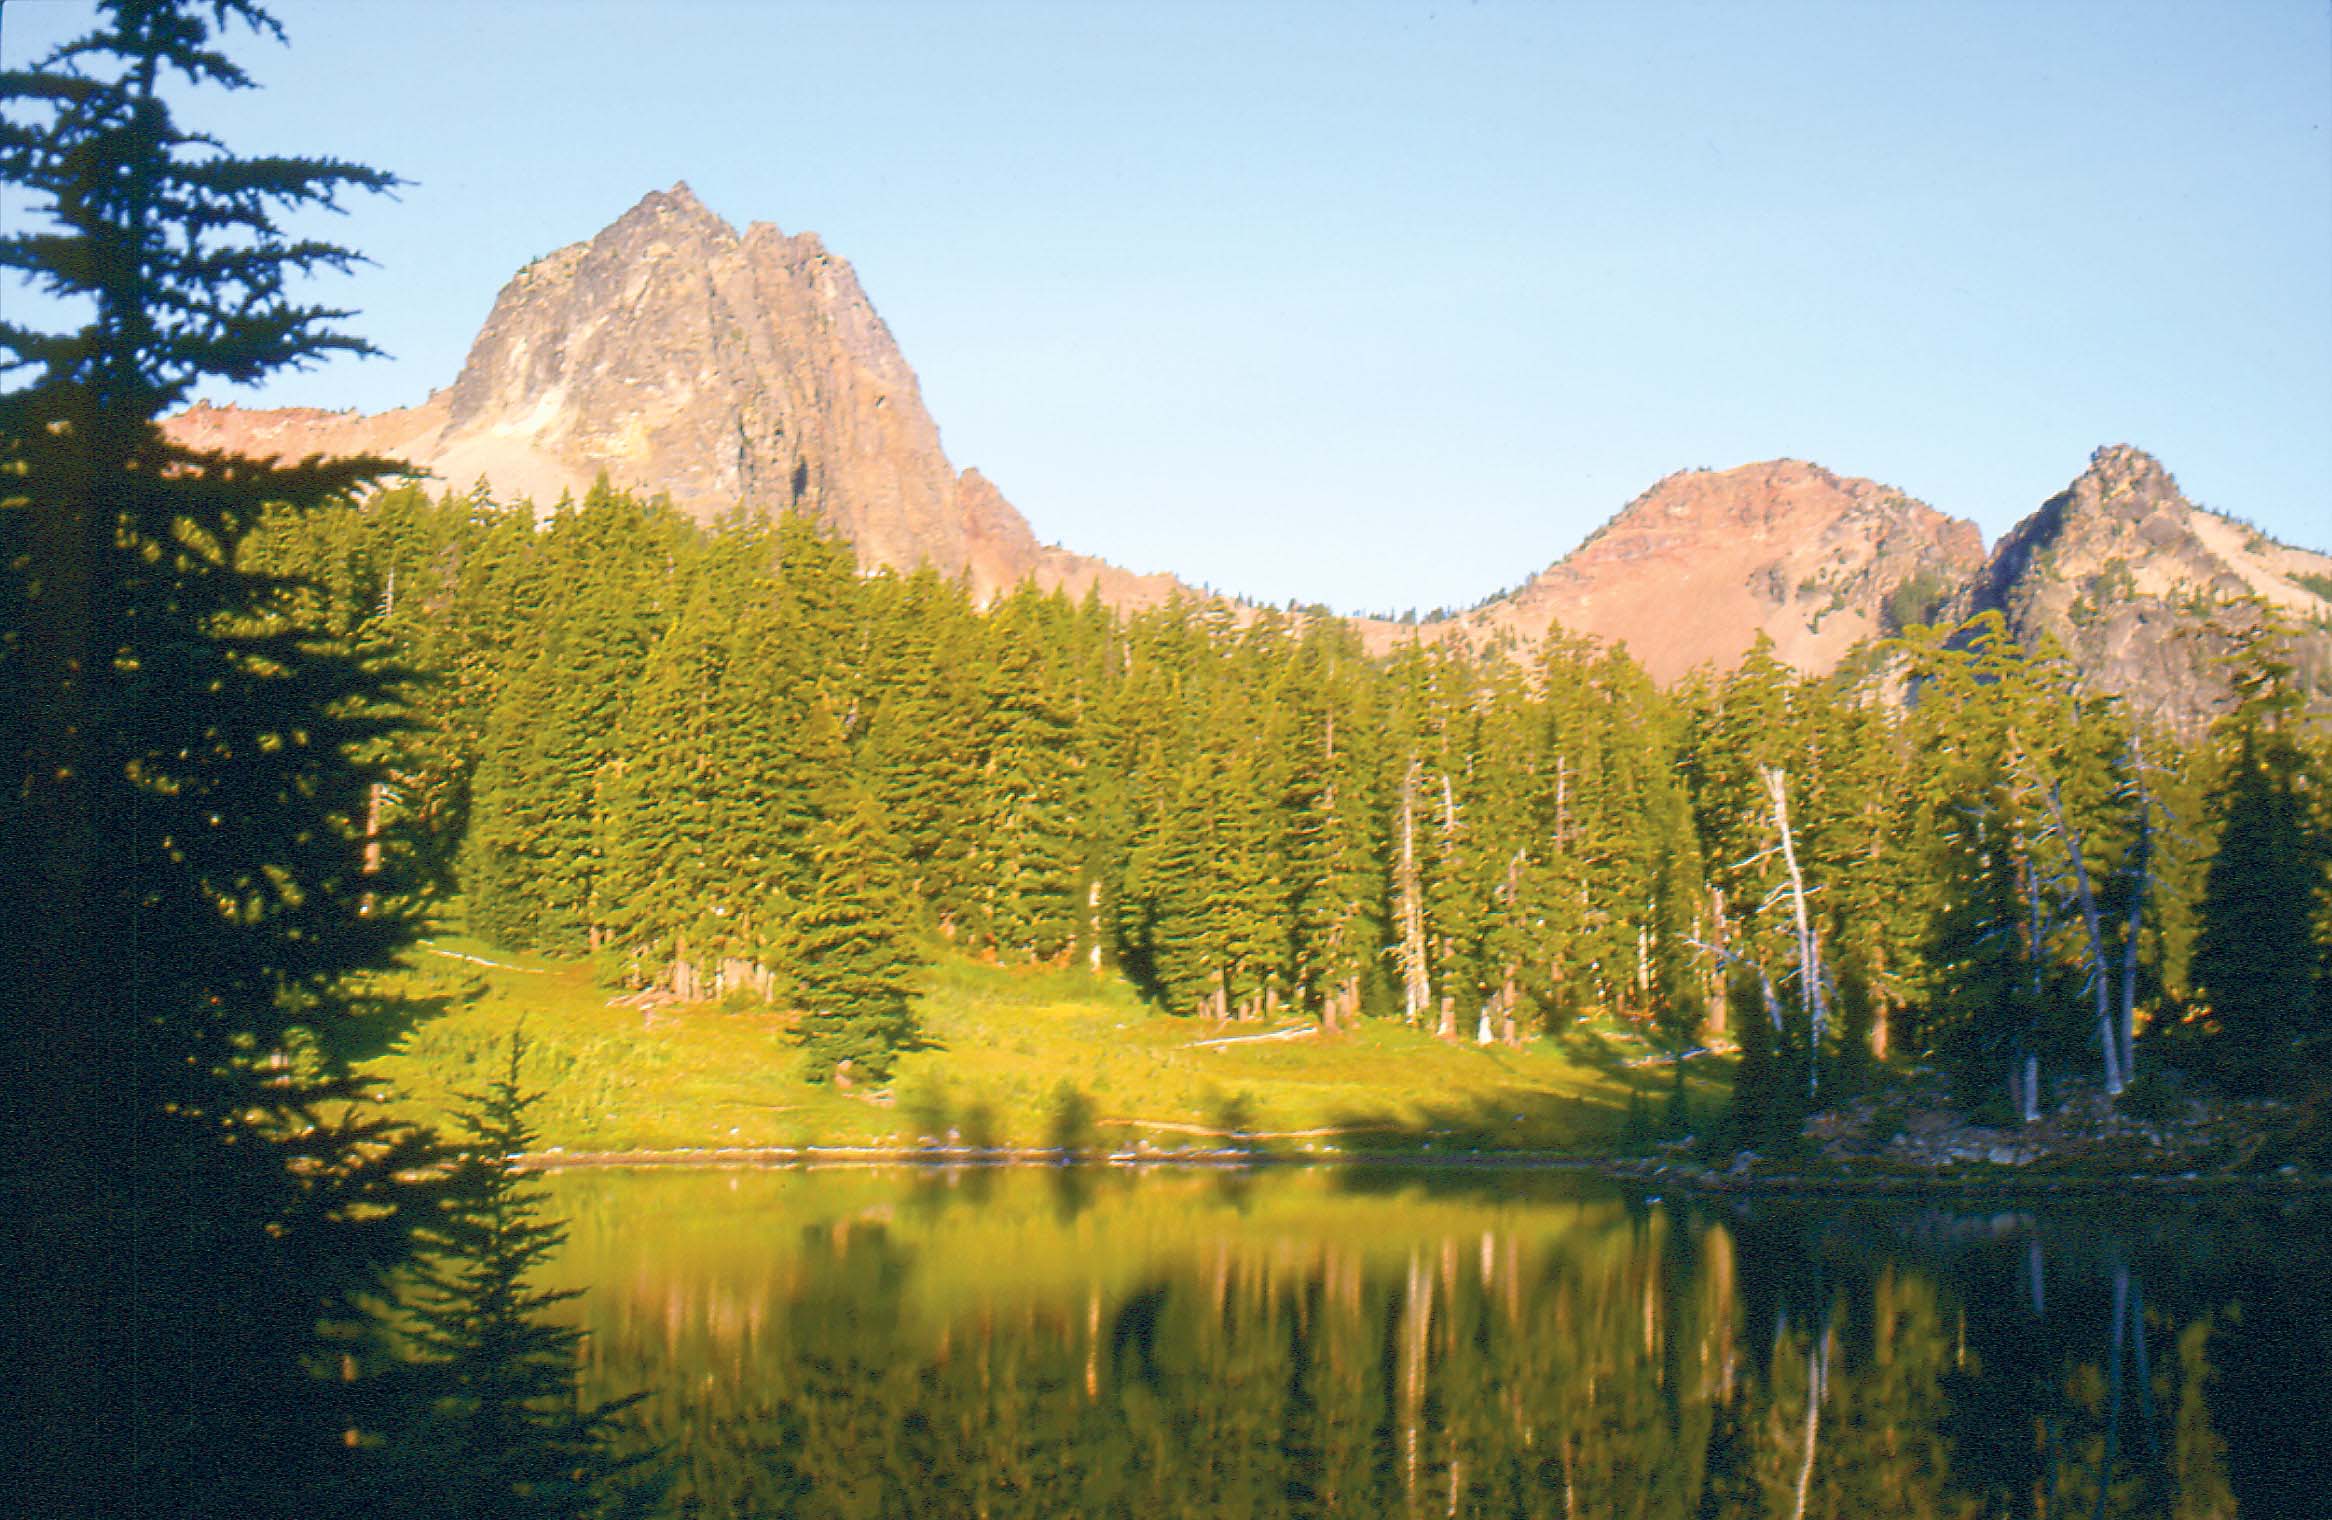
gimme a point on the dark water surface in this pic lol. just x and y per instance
(1356, 1343)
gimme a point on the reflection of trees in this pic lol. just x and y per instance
(1650, 1363)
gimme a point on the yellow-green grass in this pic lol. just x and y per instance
(1001, 1050)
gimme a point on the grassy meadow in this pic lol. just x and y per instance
(1009, 1056)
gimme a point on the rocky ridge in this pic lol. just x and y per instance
(1690, 572)
(727, 371)
(2148, 592)
(748, 371)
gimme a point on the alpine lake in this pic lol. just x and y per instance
(1356, 1341)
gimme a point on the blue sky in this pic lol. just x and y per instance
(1390, 305)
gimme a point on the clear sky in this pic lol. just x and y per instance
(1390, 305)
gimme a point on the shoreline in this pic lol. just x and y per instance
(1634, 1170)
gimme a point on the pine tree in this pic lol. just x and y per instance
(2255, 955)
(531, 867)
(663, 872)
(853, 950)
(503, 1431)
(1767, 1097)
(183, 829)
(920, 753)
(1027, 838)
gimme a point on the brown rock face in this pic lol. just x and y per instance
(729, 372)
(2145, 590)
(1690, 572)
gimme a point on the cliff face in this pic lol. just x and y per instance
(2146, 591)
(1690, 572)
(728, 371)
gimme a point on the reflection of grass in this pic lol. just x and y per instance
(990, 1240)
(1001, 1044)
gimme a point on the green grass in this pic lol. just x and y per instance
(1001, 1046)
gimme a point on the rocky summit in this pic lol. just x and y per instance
(724, 370)
(1690, 572)
(2148, 592)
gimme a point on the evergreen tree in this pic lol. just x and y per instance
(504, 1431)
(1767, 1101)
(531, 867)
(2255, 955)
(664, 878)
(852, 944)
(920, 753)
(183, 826)
(1026, 836)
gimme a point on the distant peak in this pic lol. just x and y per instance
(678, 204)
(2127, 456)
(2119, 468)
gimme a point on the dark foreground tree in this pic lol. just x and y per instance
(181, 825)
(2255, 954)
(502, 1429)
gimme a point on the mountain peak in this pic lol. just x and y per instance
(676, 210)
(721, 371)
(2115, 567)
(2119, 471)
(1699, 565)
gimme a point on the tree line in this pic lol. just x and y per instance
(731, 765)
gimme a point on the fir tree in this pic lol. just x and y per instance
(504, 1430)
(852, 949)
(663, 871)
(1766, 1103)
(920, 753)
(188, 882)
(1027, 838)
(2255, 955)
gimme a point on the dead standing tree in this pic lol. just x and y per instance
(1409, 950)
(1810, 977)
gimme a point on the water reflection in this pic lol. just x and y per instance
(1302, 1343)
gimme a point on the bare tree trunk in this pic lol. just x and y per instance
(2141, 878)
(1416, 984)
(1719, 1014)
(1809, 948)
(1093, 926)
(2100, 978)
(1772, 1002)
(2028, 1102)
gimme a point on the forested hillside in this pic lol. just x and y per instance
(730, 766)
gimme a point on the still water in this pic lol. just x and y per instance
(1364, 1343)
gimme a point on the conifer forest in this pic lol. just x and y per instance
(546, 1007)
(728, 764)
